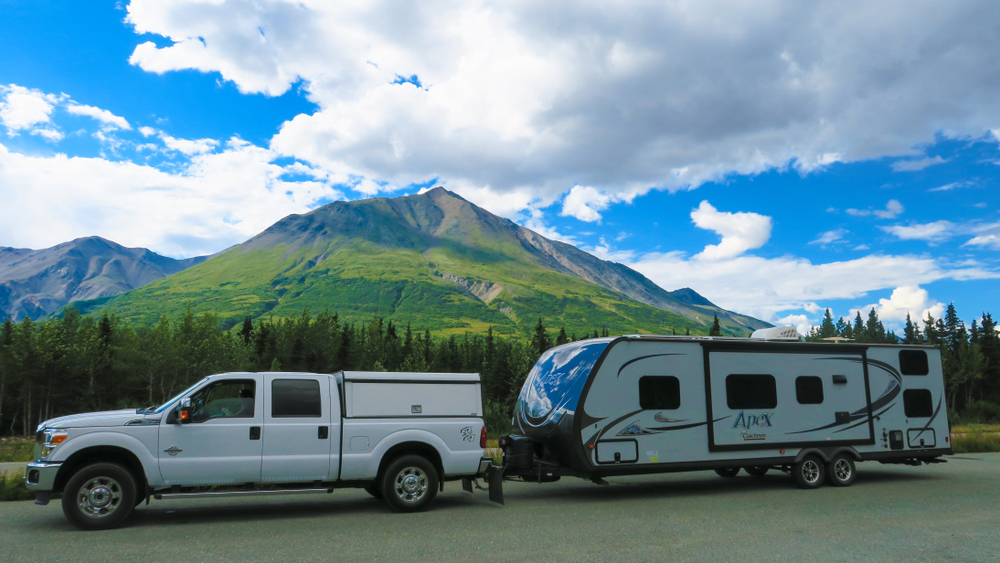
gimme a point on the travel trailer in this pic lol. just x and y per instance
(650, 404)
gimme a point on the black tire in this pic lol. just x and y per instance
(374, 490)
(757, 470)
(841, 471)
(809, 473)
(99, 496)
(728, 472)
(409, 484)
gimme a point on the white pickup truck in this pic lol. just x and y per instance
(398, 435)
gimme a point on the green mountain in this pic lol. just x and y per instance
(433, 260)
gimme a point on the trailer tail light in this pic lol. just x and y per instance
(947, 439)
(482, 437)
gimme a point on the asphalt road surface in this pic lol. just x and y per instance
(945, 512)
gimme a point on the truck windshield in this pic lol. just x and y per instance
(162, 407)
(554, 385)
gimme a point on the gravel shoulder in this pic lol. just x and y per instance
(945, 512)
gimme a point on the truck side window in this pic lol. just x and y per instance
(917, 403)
(809, 390)
(913, 362)
(233, 398)
(751, 391)
(295, 398)
(659, 392)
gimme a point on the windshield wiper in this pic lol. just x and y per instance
(146, 410)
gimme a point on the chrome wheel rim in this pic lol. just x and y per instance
(99, 497)
(411, 484)
(810, 471)
(842, 469)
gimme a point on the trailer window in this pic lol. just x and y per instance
(913, 362)
(809, 390)
(751, 391)
(917, 403)
(295, 398)
(659, 392)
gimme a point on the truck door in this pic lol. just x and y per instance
(221, 443)
(299, 429)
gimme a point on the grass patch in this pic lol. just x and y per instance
(973, 428)
(16, 449)
(975, 442)
(12, 487)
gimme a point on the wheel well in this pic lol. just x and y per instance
(412, 448)
(827, 454)
(98, 454)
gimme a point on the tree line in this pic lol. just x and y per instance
(970, 356)
(80, 363)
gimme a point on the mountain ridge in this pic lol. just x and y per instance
(432, 259)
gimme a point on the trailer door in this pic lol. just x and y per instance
(769, 400)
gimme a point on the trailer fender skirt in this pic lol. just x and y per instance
(495, 476)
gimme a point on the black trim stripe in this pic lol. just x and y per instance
(634, 360)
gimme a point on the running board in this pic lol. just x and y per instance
(161, 496)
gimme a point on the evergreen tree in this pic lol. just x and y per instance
(827, 329)
(716, 329)
(911, 333)
(540, 340)
(562, 338)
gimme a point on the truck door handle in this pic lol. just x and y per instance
(255, 432)
(324, 432)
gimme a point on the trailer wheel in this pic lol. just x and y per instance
(809, 473)
(99, 496)
(757, 470)
(374, 490)
(410, 484)
(840, 472)
(728, 472)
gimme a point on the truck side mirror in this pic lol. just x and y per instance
(184, 411)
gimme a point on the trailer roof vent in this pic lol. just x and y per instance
(776, 333)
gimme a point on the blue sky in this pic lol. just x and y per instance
(778, 158)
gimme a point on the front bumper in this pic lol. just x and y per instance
(41, 475)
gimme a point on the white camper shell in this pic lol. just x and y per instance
(648, 404)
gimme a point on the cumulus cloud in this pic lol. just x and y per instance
(189, 146)
(560, 94)
(919, 164)
(586, 203)
(104, 116)
(211, 202)
(740, 231)
(892, 210)
(25, 109)
(905, 300)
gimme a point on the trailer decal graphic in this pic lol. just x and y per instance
(891, 391)
(658, 417)
(748, 421)
(634, 360)
(636, 429)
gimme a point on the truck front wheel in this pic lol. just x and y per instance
(409, 484)
(99, 496)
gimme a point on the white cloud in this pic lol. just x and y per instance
(831, 237)
(861, 247)
(930, 232)
(987, 236)
(914, 165)
(27, 109)
(905, 300)
(557, 94)
(211, 202)
(189, 146)
(740, 231)
(147, 131)
(586, 203)
(102, 115)
(765, 287)
(892, 210)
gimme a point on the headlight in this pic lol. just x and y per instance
(51, 439)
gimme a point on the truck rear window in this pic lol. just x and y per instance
(295, 398)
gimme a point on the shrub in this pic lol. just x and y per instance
(976, 442)
(12, 487)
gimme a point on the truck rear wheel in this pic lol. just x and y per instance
(809, 473)
(410, 484)
(99, 496)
